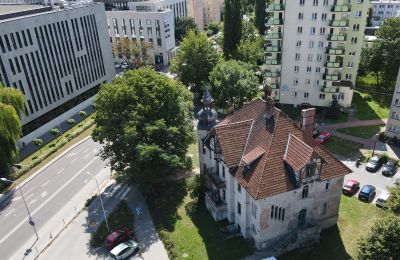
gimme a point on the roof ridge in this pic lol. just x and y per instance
(233, 123)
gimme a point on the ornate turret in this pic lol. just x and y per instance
(207, 116)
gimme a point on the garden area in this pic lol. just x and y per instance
(371, 105)
(365, 132)
(342, 147)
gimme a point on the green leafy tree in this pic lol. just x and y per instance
(11, 107)
(144, 121)
(233, 83)
(132, 52)
(250, 52)
(38, 143)
(383, 241)
(232, 26)
(183, 25)
(334, 109)
(249, 31)
(214, 27)
(393, 202)
(194, 62)
(260, 16)
(369, 17)
(372, 60)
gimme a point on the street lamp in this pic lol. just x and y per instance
(26, 205)
(101, 201)
(376, 140)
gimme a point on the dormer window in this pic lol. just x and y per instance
(311, 169)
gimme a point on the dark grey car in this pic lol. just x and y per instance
(390, 168)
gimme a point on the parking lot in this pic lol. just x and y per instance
(376, 179)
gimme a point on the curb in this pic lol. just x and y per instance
(4, 196)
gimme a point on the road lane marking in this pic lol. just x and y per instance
(74, 160)
(44, 184)
(44, 193)
(16, 198)
(71, 154)
(121, 191)
(29, 196)
(29, 190)
(47, 200)
(60, 171)
(86, 156)
(9, 212)
(86, 150)
(116, 188)
(126, 192)
(30, 203)
(85, 181)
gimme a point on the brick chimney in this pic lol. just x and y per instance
(269, 101)
(307, 122)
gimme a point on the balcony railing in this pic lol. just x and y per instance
(331, 64)
(274, 86)
(214, 179)
(271, 35)
(337, 37)
(340, 8)
(275, 7)
(273, 49)
(212, 198)
(329, 90)
(339, 23)
(272, 61)
(332, 77)
(272, 74)
(334, 51)
(275, 21)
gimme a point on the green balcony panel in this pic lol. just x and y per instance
(335, 51)
(329, 89)
(340, 8)
(272, 61)
(275, 7)
(339, 23)
(334, 65)
(332, 77)
(274, 86)
(337, 37)
(274, 36)
(273, 49)
(275, 21)
(272, 74)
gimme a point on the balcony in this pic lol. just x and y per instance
(275, 7)
(340, 8)
(274, 85)
(214, 179)
(273, 49)
(215, 205)
(272, 74)
(332, 77)
(272, 61)
(333, 64)
(275, 21)
(271, 35)
(329, 90)
(334, 51)
(339, 23)
(337, 37)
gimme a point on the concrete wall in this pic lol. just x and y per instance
(393, 124)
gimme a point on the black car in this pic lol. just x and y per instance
(390, 168)
(367, 193)
(374, 163)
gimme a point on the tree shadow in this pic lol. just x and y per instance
(331, 247)
(364, 110)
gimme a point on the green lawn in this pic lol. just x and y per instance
(186, 227)
(340, 242)
(362, 131)
(368, 80)
(193, 152)
(371, 106)
(342, 147)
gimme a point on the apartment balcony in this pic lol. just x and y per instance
(332, 77)
(273, 49)
(271, 35)
(340, 8)
(272, 74)
(213, 179)
(337, 37)
(329, 89)
(215, 205)
(272, 61)
(275, 7)
(274, 85)
(274, 21)
(339, 23)
(335, 51)
(334, 64)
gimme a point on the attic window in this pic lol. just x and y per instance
(311, 169)
(269, 122)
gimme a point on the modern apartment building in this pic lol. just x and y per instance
(393, 124)
(53, 55)
(383, 9)
(155, 27)
(313, 49)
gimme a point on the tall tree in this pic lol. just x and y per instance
(11, 107)
(260, 15)
(233, 83)
(183, 25)
(383, 241)
(232, 26)
(194, 61)
(133, 53)
(250, 52)
(394, 200)
(144, 119)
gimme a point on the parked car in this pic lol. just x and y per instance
(123, 250)
(367, 193)
(117, 65)
(374, 163)
(323, 137)
(382, 199)
(118, 237)
(390, 168)
(351, 187)
(124, 65)
(315, 133)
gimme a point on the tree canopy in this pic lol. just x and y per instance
(232, 26)
(394, 200)
(232, 83)
(260, 15)
(133, 53)
(144, 119)
(11, 107)
(194, 62)
(183, 25)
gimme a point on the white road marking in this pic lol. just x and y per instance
(126, 192)
(44, 184)
(46, 201)
(74, 160)
(60, 171)
(30, 195)
(86, 150)
(71, 154)
(29, 190)
(9, 212)
(121, 191)
(16, 198)
(116, 188)
(44, 193)
(86, 156)
(30, 203)
(85, 181)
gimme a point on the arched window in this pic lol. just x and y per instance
(305, 192)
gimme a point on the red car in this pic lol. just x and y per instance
(118, 237)
(323, 137)
(351, 187)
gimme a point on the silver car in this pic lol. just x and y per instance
(125, 249)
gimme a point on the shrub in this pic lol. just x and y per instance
(90, 200)
(82, 113)
(55, 131)
(37, 142)
(71, 121)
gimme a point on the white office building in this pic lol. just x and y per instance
(53, 56)
(313, 49)
(155, 27)
(383, 9)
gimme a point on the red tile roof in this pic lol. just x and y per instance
(244, 138)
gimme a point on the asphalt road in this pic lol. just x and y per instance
(52, 197)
